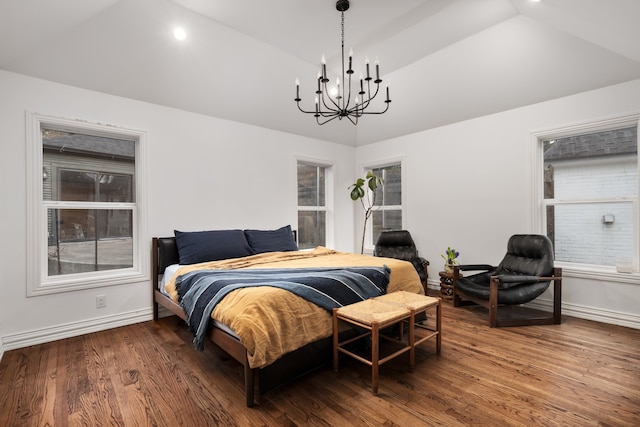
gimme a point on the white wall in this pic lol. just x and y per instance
(468, 186)
(202, 173)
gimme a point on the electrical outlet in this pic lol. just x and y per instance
(101, 301)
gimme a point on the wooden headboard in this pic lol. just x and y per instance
(164, 253)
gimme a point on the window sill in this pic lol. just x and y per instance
(593, 273)
(97, 281)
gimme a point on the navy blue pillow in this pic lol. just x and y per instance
(203, 246)
(280, 240)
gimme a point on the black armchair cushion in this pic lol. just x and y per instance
(528, 257)
(399, 244)
(528, 254)
(396, 244)
(509, 281)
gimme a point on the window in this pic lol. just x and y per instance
(388, 214)
(312, 205)
(590, 196)
(84, 192)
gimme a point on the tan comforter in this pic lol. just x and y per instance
(271, 322)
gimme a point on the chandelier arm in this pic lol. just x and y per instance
(326, 121)
(329, 111)
(365, 105)
(325, 95)
(370, 98)
(329, 107)
(349, 116)
(361, 111)
(377, 112)
(348, 96)
(369, 90)
(304, 111)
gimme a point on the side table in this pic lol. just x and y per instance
(446, 284)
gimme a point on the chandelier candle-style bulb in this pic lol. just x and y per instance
(319, 91)
(339, 102)
(366, 62)
(323, 61)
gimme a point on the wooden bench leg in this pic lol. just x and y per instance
(375, 356)
(412, 340)
(439, 325)
(335, 340)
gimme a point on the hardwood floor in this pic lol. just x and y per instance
(579, 373)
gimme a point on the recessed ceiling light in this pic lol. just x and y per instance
(179, 33)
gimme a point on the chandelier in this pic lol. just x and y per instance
(339, 102)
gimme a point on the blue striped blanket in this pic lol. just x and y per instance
(199, 291)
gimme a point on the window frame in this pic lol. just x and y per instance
(369, 243)
(540, 204)
(39, 282)
(328, 208)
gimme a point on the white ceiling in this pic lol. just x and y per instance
(444, 60)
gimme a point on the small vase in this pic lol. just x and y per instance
(449, 268)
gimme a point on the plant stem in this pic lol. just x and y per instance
(367, 214)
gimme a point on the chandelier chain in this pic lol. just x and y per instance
(341, 100)
(342, 25)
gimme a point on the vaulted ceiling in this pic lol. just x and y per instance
(444, 60)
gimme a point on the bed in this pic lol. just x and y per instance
(275, 334)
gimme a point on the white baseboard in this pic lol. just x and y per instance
(590, 313)
(74, 329)
(580, 311)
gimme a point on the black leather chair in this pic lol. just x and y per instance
(524, 274)
(399, 244)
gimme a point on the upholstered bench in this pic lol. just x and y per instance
(383, 313)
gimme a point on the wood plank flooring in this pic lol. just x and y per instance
(579, 373)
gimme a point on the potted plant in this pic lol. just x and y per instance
(364, 189)
(450, 257)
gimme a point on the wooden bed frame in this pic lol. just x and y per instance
(289, 367)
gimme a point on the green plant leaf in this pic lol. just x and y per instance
(357, 193)
(373, 183)
(357, 190)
